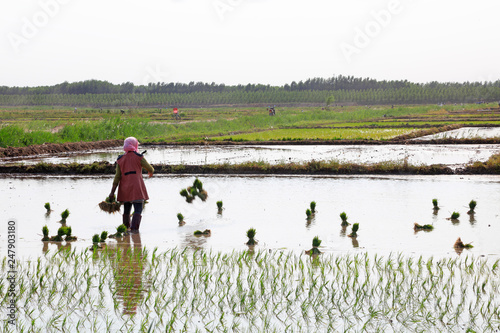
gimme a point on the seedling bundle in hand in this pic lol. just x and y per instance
(110, 205)
(194, 191)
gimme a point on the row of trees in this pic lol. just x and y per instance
(412, 94)
(335, 83)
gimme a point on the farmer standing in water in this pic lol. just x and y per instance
(131, 189)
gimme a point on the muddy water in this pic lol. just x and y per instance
(450, 155)
(385, 208)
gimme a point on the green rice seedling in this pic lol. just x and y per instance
(180, 217)
(251, 236)
(45, 231)
(435, 204)
(104, 236)
(120, 230)
(69, 237)
(198, 184)
(64, 215)
(455, 215)
(343, 217)
(472, 206)
(206, 233)
(96, 239)
(425, 227)
(313, 207)
(355, 228)
(316, 242)
(60, 233)
(47, 207)
(219, 207)
(309, 214)
(461, 245)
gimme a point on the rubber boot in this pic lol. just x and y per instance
(126, 220)
(136, 222)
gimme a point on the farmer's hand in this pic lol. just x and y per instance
(111, 197)
(150, 174)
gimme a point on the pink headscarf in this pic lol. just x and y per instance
(131, 144)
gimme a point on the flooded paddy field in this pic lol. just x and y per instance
(465, 133)
(386, 209)
(453, 156)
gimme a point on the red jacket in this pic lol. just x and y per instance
(131, 185)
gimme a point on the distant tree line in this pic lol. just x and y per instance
(340, 89)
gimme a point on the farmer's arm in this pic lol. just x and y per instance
(116, 181)
(147, 166)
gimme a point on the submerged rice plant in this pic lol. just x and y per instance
(131, 289)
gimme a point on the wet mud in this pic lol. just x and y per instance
(55, 148)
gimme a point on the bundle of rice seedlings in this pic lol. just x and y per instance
(315, 243)
(460, 245)
(219, 207)
(47, 207)
(180, 217)
(110, 206)
(472, 206)
(343, 217)
(251, 237)
(60, 233)
(69, 237)
(64, 215)
(313, 207)
(355, 228)
(120, 230)
(194, 191)
(45, 231)
(206, 233)
(425, 227)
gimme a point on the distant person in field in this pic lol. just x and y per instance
(128, 179)
(176, 113)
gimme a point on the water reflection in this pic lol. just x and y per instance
(472, 218)
(195, 242)
(61, 246)
(128, 267)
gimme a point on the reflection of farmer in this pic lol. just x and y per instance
(127, 272)
(132, 190)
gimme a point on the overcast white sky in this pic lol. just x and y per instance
(45, 42)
